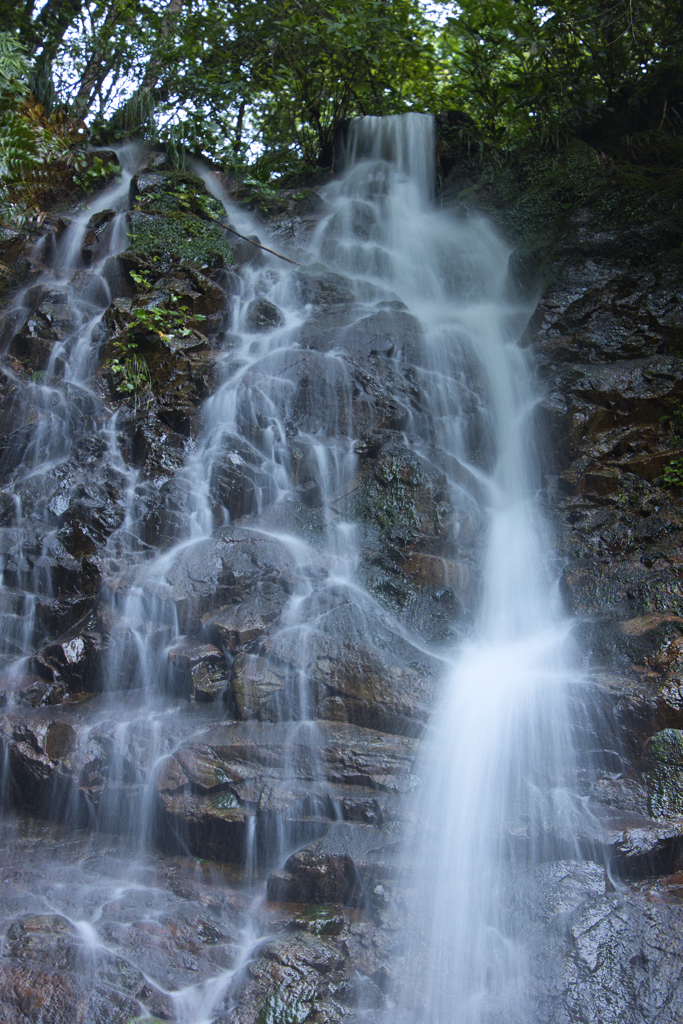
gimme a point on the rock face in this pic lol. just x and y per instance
(204, 697)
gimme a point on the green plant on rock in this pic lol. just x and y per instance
(90, 174)
(166, 321)
(131, 373)
(673, 474)
(128, 365)
(673, 421)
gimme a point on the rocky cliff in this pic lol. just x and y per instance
(95, 481)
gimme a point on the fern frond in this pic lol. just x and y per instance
(19, 154)
(13, 69)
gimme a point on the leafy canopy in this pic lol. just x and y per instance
(267, 83)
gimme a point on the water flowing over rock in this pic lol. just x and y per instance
(295, 724)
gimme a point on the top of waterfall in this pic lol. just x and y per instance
(405, 140)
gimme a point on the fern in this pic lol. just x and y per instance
(18, 149)
(13, 71)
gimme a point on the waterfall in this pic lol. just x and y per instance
(371, 426)
(499, 771)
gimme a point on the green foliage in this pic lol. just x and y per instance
(166, 321)
(131, 373)
(263, 85)
(673, 422)
(673, 474)
(19, 154)
(532, 70)
(92, 173)
(13, 69)
(39, 154)
(325, 61)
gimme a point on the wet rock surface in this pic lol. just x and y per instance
(284, 697)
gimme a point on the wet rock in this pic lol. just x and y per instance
(199, 671)
(293, 976)
(78, 662)
(156, 449)
(665, 750)
(91, 776)
(590, 585)
(33, 996)
(262, 315)
(405, 496)
(47, 940)
(630, 316)
(249, 781)
(213, 823)
(247, 250)
(92, 248)
(205, 575)
(619, 952)
(93, 984)
(387, 685)
(388, 332)
(322, 287)
(646, 849)
(259, 688)
(238, 626)
(50, 322)
(345, 867)
(239, 486)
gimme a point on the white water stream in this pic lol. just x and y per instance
(498, 769)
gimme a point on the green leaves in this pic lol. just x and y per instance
(265, 83)
(13, 69)
(19, 151)
(526, 69)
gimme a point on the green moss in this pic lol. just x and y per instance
(175, 220)
(224, 801)
(533, 193)
(179, 189)
(178, 236)
(665, 778)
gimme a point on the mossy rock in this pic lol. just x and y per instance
(533, 194)
(665, 776)
(178, 237)
(405, 496)
(175, 220)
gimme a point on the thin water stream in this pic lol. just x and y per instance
(420, 298)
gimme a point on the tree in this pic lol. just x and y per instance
(268, 82)
(227, 75)
(546, 69)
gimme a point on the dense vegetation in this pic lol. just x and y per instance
(261, 86)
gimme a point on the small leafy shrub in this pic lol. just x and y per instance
(128, 365)
(131, 373)
(673, 474)
(91, 173)
(673, 421)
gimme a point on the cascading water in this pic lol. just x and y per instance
(499, 770)
(271, 568)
